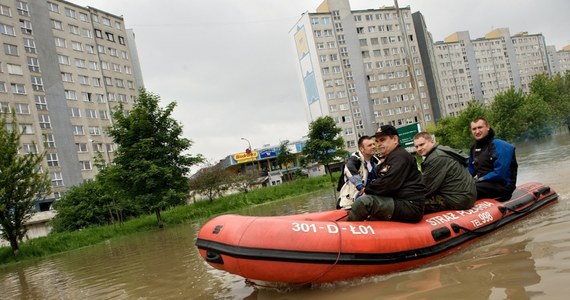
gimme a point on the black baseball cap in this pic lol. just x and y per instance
(386, 130)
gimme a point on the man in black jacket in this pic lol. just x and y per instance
(398, 192)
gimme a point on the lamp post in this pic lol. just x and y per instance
(249, 148)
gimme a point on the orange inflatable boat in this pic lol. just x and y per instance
(324, 247)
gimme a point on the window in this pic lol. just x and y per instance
(37, 84)
(85, 165)
(78, 130)
(22, 108)
(91, 113)
(52, 160)
(7, 30)
(74, 29)
(83, 17)
(29, 45)
(29, 148)
(18, 88)
(121, 40)
(70, 95)
(49, 140)
(120, 83)
(93, 65)
(22, 8)
(94, 130)
(26, 26)
(81, 147)
(62, 59)
(122, 98)
(86, 96)
(5, 11)
(113, 52)
(14, 69)
(106, 21)
(59, 42)
(53, 7)
(111, 97)
(110, 36)
(26, 128)
(70, 13)
(90, 49)
(124, 54)
(41, 102)
(56, 179)
(86, 33)
(74, 112)
(44, 121)
(83, 79)
(108, 81)
(96, 81)
(100, 98)
(55, 24)
(4, 107)
(10, 49)
(104, 115)
(116, 67)
(76, 46)
(67, 77)
(33, 64)
(128, 70)
(98, 33)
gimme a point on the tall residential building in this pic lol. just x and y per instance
(559, 60)
(363, 68)
(481, 68)
(64, 69)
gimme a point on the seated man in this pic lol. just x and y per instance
(492, 163)
(398, 192)
(444, 170)
(358, 172)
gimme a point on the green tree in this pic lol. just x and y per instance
(505, 116)
(456, 131)
(537, 116)
(150, 164)
(325, 145)
(211, 181)
(554, 91)
(284, 158)
(22, 182)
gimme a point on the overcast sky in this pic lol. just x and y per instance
(230, 66)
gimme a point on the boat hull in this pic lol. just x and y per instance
(324, 247)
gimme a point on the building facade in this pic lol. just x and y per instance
(484, 67)
(559, 60)
(363, 68)
(64, 69)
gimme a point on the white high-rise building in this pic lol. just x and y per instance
(64, 69)
(482, 68)
(361, 67)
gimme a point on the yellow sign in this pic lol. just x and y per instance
(244, 157)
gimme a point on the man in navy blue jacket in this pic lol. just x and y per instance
(492, 163)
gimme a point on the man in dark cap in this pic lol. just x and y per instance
(397, 194)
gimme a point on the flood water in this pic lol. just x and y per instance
(523, 260)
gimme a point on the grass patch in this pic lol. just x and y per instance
(61, 242)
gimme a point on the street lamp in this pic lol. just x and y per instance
(248, 151)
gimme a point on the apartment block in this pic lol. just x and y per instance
(361, 67)
(64, 69)
(484, 67)
(559, 60)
